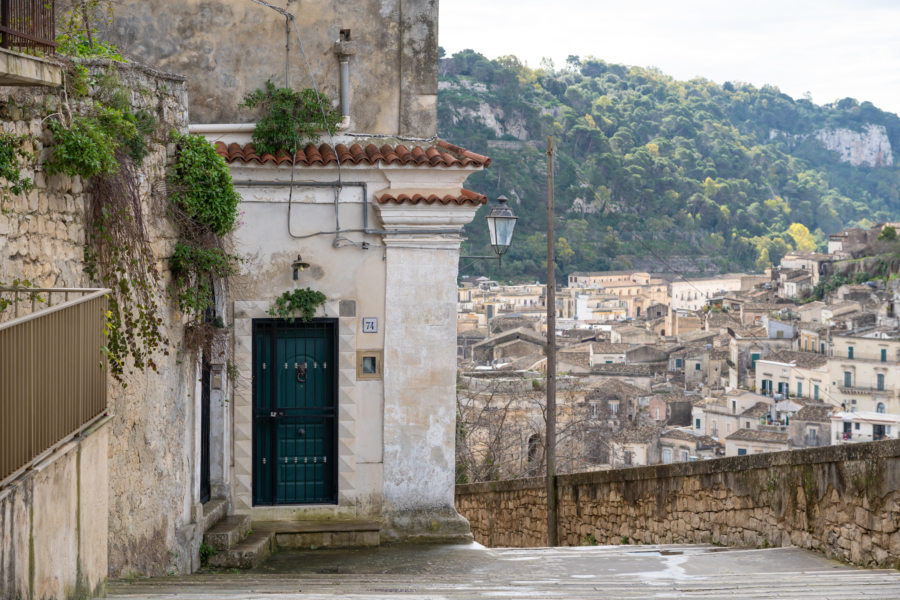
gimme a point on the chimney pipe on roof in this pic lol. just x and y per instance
(344, 48)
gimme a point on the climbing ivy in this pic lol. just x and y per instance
(305, 301)
(201, 185)
(103, 143)
(11, 152)
(101, 140)
(289, 118)
(193, 269)
(203, 205)
(87, 145)
(83, 148)
(117, 255)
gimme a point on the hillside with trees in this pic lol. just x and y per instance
(659, 174)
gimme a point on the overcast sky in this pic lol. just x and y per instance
(830, 48)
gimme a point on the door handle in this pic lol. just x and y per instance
(301, 432)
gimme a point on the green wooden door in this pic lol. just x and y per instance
(294, 412)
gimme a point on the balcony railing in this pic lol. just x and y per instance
(52, 372)
(848, 436)
(27, 25)
(856, 390)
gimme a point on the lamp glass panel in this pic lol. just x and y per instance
(492, 230)
(504, 227)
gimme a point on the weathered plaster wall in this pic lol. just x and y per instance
(395, 434)
(420, 402)
(53, 527)
(231, 47)
(843, 501)
(152, 489)
(347, 273)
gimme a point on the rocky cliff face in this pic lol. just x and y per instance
(868, 148)
(492, 117)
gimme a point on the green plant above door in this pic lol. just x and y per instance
(305, 301)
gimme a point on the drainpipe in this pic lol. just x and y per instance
(344, 48)
(287, 52)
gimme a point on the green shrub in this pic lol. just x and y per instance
(290, 118)
(201, 184)
(77, 45)
(86, 149)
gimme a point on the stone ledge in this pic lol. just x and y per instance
(132, 66)
(424, 526)
(22, 69)
(808, 456)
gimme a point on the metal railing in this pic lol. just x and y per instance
(52, 374)
(848, 436)
(859, 390)
(28, 25)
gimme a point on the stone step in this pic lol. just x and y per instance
(228, 532)
(213, 511)
(246, 554)
(321, 534)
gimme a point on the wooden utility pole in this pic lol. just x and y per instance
(552, 510)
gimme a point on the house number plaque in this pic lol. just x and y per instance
(370, 324)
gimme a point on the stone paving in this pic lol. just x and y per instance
(472, 571)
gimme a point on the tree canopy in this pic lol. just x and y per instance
(649, 168)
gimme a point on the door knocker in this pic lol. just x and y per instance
(300, 368)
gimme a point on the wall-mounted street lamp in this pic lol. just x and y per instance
(297, 266)
(501, 223)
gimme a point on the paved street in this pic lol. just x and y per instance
(436, 572)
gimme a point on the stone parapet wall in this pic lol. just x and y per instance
(53, 525)
(843, 501)
(152, 446)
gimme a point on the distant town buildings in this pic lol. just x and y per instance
(664, 369)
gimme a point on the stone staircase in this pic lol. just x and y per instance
(240, 543)
(295, 535)
(236, 544)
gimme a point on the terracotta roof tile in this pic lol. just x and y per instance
(466, 153)
(442, 154)
(463, 197)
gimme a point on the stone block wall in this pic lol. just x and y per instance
(152, 448)
(43, 230)
(843, 501)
